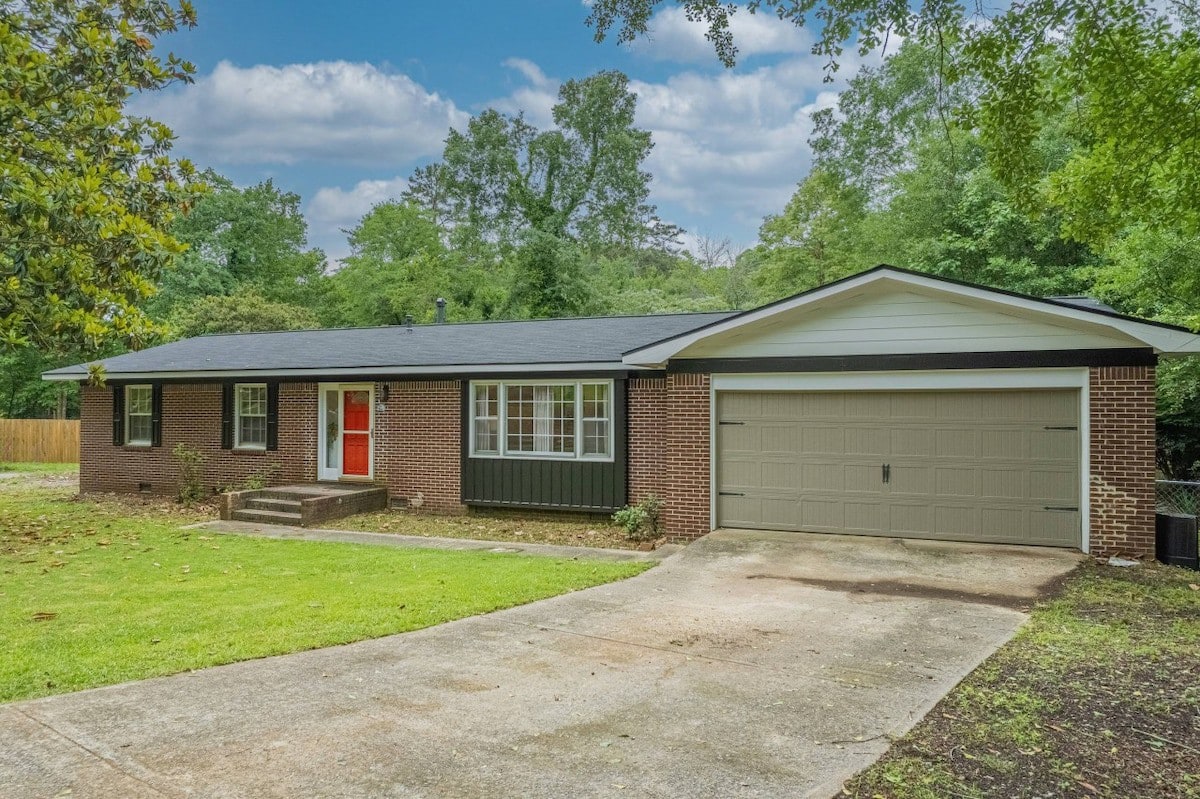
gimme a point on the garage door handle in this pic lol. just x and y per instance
(730, 494)
(725, 422)
(887, 472)
(1060, 507)
(1061, 427)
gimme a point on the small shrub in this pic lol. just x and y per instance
(643, 521)
(191, 473)
(261, 478)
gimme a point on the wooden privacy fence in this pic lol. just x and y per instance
(39, 440)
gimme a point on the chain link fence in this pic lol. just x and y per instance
(1177, 497)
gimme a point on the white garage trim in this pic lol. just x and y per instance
(949, 380)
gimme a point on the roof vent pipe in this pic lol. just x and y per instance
(440, 316)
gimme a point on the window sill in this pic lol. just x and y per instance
(137, 446)
(539, 457)
(251, 450)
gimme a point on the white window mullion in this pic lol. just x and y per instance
(578, 419)
(502, 397)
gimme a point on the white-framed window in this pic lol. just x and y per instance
(139, 415)
(596, 420)
(250, 415)
(542, 419)
(485, 439)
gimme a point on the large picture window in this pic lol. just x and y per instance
(139, 415)
(542, 420)
(250, 422)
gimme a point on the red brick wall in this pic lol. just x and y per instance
(418, 445)
(1122, 460)
(192, 415)
(646, 409)
(685, 467)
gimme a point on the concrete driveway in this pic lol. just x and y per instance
(750, 664)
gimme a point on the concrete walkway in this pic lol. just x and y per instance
(748, 665)
(432, 542)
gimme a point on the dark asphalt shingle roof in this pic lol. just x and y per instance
(472, 345)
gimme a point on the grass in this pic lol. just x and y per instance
(1098, 695)
(95, 591)
(39, 468)
(600, 533)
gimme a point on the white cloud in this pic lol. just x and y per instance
(671, 36)
(333, 208)
(732, 143)
(334, 112)
(536, 97)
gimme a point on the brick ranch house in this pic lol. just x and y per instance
(888, 403)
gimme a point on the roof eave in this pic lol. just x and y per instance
(352, 372)
(1165, 340)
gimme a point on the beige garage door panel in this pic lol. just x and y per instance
(979, 465)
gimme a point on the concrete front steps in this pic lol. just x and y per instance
(306, 505)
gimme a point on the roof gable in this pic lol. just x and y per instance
(888, 311)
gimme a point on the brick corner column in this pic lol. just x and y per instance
(686, 472)
(1121, 416)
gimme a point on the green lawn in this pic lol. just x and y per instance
(1098, 695)
(39, 468)
(99, 591)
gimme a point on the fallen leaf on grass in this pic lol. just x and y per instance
(1194, 587)
(44, 615)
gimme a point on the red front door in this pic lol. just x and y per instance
(356, 433)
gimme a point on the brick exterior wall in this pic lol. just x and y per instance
(418, 448)
(192, 416)
(418, 444)
(646, 411)
(1121, 404)
(685, 465)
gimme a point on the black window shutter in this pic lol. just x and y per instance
(227, 416)
(156, 392)
(118, 425)
(272, 416)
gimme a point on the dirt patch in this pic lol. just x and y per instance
(1097, 696)
(895, 588)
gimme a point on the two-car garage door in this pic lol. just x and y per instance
(994, 466)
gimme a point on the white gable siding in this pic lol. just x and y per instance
(902, 321)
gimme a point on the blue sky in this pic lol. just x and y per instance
(339, 102)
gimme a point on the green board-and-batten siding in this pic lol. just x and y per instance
(589, 486)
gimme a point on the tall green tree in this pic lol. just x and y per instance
(895, 181)
(399, 267)
(1123, 72)
(242, 239)
(87, 191)
(539, 200)
(244, 312)
(582, 179)
(817, 238)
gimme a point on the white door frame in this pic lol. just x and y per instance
(916, 380)
(323, 472)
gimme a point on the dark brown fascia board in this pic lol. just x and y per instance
(1021, 359)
